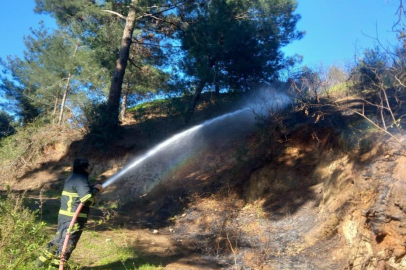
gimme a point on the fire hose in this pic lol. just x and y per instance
(68, 233)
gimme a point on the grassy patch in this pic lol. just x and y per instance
(150, 105)
(112, 250)
(339, 90)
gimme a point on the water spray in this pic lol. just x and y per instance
(134, 164)
(278, 102)
(166, 143)
(274, 102)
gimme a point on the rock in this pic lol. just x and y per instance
(399, 253)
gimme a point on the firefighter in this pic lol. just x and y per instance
(77, 189)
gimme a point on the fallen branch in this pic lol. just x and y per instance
(370, 121)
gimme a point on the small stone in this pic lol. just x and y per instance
(108, 240)
(155, 231)
(171, 230)
(184, 215)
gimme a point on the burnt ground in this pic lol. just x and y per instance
(303, 196)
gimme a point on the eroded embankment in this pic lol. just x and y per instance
(273, 199)
(307, 205)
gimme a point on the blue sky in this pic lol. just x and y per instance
(333, 27)
(16, 19)
(337, 29)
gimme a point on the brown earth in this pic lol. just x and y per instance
(299, 197)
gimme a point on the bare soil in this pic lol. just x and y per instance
(292, 198)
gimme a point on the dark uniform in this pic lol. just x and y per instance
(77, 189)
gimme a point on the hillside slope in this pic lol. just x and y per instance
(304, 193)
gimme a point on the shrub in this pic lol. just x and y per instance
(21, 237)
(6, 128)
(100, 124)
(372, 73)
(28, 143)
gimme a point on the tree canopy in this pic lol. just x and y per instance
(236, 44)
(102, 47)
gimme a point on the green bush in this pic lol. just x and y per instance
(21, 236)
(6, 127)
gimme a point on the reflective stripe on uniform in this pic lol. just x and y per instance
(71, 214)
(91, 200)
(70, 194)
(86, 197)
(48, 254)
(55, 262)
(43, 259)
(69, 204)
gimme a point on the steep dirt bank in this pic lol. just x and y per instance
(301, 196)
(305, 203)
(351, 219)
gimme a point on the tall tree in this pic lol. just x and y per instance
(48, 71)
(17, 89)
(236, 43)
(90, 19)
(155, 22)
(121, 64)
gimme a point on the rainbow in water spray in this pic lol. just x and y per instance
(167, 143)
(267, 101)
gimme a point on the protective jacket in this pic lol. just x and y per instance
(77, 189)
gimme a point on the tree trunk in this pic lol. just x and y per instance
(56, 104)
(217, 83)
(196, 97)
(113, 102)
(65, 94)
(124, 102)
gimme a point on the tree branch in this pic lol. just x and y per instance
(370, 121)
(132, 63)
(115, 13)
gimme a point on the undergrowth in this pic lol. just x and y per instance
(208, 106)
(21, 236)
(29, 142)
(359, 136)
(15, 146)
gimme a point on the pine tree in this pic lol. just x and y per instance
(128, 23)
(236, 43)
(53, 67)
